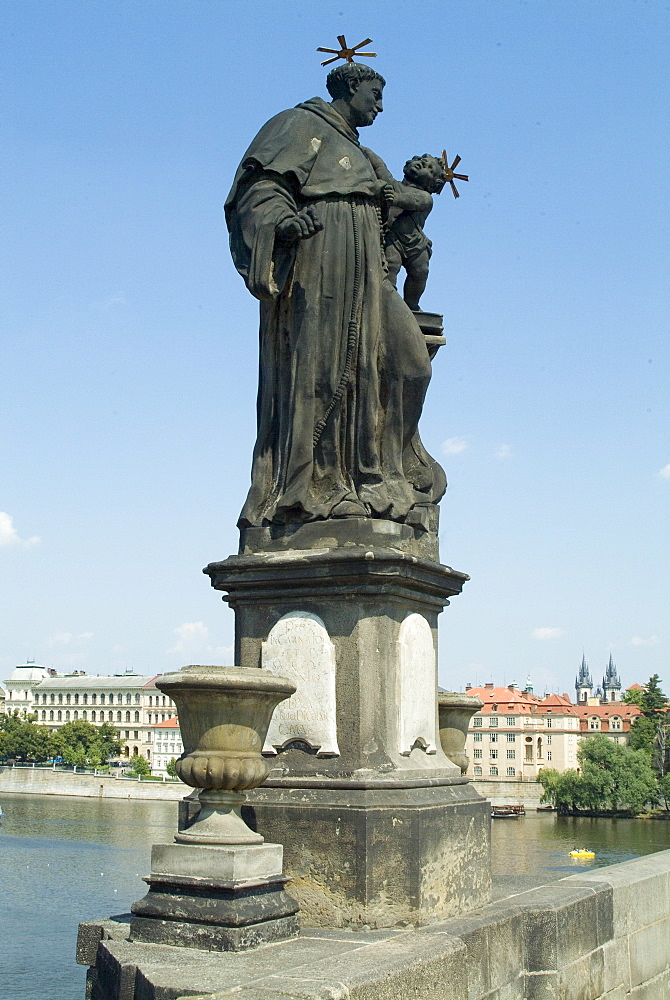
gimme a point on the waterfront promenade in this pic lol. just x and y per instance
(25, 779)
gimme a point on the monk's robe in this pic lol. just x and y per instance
(343, 363)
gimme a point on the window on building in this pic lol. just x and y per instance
(92, 716)
(163, 702)
(59, 716)
(84, 714)
(94, 699)
(102, 699)
(127, 716)
(52, 698)
(44, 699)
(493, 754)
(110, 716)
(511, 737)
(529, 752)
(549, 723)
(135, 751)
(594, 722)
(493, 737)
(510, 772)
(44, 716)
(477, 737)
(75, 714)
(510, 721)
(118, 716)
(615, 722)
(67, 699)
(76, 699)
(51, 715)
(136, 734)
(548, 738)
(67, 716)
(111, 699)
(137, 699)
(60, 699)
(129, 699)
(84, 699)
(477, 770)
(493, 771)
(477, 753)
(151, 700)
(137, 717)
(493, 721)
(477, 721)
(511, 754)
(548, 754)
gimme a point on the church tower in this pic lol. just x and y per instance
(583, 683)
(611, 683)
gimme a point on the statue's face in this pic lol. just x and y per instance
(425, 172)
(366, 102)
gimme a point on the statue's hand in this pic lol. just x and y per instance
(385, 192)
(300, 227)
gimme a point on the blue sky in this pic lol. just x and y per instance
(129, 342)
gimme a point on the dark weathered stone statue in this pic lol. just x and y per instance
(344, 367)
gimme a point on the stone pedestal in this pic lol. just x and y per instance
(215, 898)
(378, 825)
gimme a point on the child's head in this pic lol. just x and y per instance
(425, 172)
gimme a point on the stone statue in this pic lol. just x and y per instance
(410, 202)
(344, 366)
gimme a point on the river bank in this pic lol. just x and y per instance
(45, 781)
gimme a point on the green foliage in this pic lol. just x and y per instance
(139, 765)
(650, 699)
(83, 743)
(171, 767)
(664, 790)
(649, 731)
(22, 740)
(613, 778)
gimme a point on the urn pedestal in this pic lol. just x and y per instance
(220, 887)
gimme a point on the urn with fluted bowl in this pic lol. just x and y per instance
(455, 711)
(224, 715)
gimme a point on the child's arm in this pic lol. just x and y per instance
(412, 198)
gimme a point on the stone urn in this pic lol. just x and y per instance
(455, 711)
(224, 715)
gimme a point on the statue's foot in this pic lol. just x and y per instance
(349, 508)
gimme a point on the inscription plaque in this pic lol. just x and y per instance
(417, 688)
(299, 647)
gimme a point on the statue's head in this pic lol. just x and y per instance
(425, 172)
(360, 87)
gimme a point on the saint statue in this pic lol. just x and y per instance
(344, 366)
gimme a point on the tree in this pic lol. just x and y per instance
(140, 766)
(650, 730)
(83, 743)
(613, 778)
(22, 740)
(171, 767)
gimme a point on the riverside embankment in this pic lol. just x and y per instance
(25, 779)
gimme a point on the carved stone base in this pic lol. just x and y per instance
(215, 899)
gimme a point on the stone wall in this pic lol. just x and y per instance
(45, 781)
(509, 792)
(602, 935)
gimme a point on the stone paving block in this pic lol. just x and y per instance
(616, 965)
(541, 986)
(649, 950)
(583, 979)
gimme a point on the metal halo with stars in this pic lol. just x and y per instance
(346, 53)
(449, 171)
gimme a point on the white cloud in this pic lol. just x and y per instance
(65, 638)
(548, 632)
(191, 636)
(664, 473)
(9, 534)
(454, 446)
(503, 452)
(637, 640)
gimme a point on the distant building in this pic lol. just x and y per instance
(130, 702)
(608, 692)
(166, 744)
(516, 734)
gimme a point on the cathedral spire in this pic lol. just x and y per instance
(583, 682)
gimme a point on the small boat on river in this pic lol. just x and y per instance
(582, 853)
(507, 812)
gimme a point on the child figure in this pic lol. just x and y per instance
(409, 204)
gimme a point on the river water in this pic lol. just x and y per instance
(63, 860)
